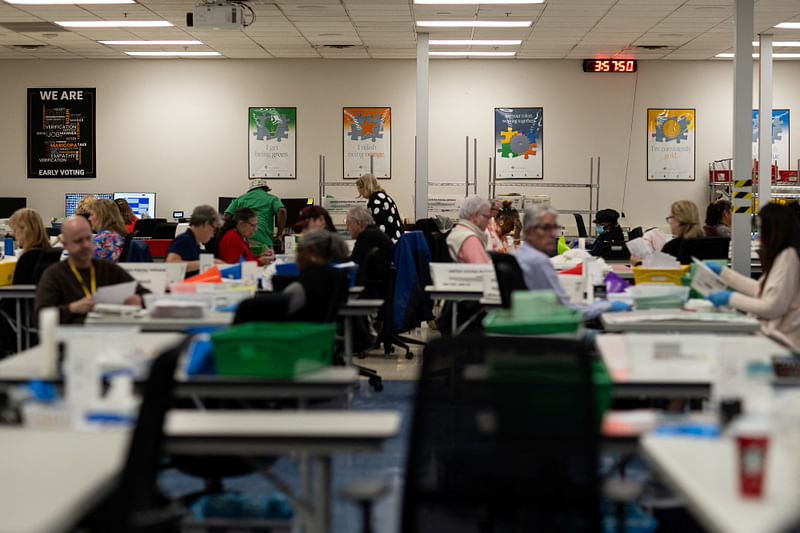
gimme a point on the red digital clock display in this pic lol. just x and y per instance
(609, 65)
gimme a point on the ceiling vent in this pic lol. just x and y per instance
(338, 46)
(652, 46)
(32, 27)
(27, 46)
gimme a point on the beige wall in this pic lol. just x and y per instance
(180, 127)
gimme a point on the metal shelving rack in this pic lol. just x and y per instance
(594, 199)
(779, 189)
(457, 183)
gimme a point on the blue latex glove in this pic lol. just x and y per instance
(719, 298)
(616, 305)
(716, 267)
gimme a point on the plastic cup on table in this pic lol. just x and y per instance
(752, 439)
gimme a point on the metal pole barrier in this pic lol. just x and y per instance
(489, 179)
(372, 164)
(597, 198)
(475, 166)
(321, 181)
(591, 181)
(466, 175)
(494, 176)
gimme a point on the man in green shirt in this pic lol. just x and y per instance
(266, 205)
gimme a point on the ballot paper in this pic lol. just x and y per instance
(639, 247)
(114, 294)
(704, 280)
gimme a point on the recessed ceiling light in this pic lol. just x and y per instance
(113, 23)
(68, 2)
(472, 2)
(134, 43)
(474, 23)
(473, 54)
(174, 54)
(779, 43)
(789, 25)
(476, 42)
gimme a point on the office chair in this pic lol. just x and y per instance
(165, 230)
(704, 248)
(47, 257)
(136, 505)
(581, 226)
(145, 226)
(635, 233)
(504, 438)
(509, 276)
(265, 308)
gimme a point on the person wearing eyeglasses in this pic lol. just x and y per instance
(235, 245)
(185, 248)
(684, 223)
(540, 229)
(467, 240)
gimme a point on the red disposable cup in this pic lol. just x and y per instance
(752, 464)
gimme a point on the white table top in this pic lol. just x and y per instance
(705, 473)
(18, 291)
(454, 294)
(148, 323)
(679, 320)
(51, 478)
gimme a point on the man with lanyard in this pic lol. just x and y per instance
(267, 206)
(70, 285)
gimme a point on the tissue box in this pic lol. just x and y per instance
(7, 272)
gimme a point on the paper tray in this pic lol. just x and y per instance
(501, 321)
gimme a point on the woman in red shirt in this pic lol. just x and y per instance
(235, 245)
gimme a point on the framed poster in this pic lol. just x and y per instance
(61, 133)
(272, 142)
(518, 141)
(780, 137)
(367, 142)
(670, 144)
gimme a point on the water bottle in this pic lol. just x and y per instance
(9, 246)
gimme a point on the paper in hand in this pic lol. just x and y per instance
(705, 281)
(639, 247)
(114, 294)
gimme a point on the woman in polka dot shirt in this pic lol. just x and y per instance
(381, 206)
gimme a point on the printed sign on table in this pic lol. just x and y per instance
(670, 144)
(61, 133)
(518, 143)
(780, 137)
(367, 142)
(272, 142)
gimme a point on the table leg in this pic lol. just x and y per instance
(18, 320)
(454, 323)
(28, 323)
(322, 499)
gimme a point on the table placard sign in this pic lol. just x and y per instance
(592, 275)
(174, 272)
(447, 205)
(250, 270)
(206, 261)
(674, 355)
(574, 286)
(460, 276)
(491, 289)
(154, 281)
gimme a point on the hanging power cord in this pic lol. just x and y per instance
(630, 137)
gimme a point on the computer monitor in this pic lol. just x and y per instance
(293, 207)
(72, 199)
(143, 204)
(224, 202)
(9, 204)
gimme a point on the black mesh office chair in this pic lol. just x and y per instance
(635, 233)
(509, 276)
(165, 230)
(581, 226)
(145, 226)
(704, 248)
(504, 438)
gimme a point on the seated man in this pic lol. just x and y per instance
(467, 240)
(374, 275)
(540, 229)
(69, 285)
(185, 248)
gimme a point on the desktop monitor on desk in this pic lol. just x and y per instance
(293, 207)
(72, 199)
(143, 204)
(223, 203)
(9, 204)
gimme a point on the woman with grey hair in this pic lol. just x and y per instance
(467, 240)
(185, 248)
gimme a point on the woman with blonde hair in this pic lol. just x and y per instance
(380, 205)
(84, 207)
(684, 223)
(109, 228)
(29, 232)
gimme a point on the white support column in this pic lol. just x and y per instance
(421, 163)
(742, 129)
(765, 120)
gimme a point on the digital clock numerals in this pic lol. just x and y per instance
(614, 65)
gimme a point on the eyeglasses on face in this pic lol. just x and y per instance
(485, 215)
(669, 218)
(549, 227)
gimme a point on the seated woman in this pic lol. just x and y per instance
(684, 223)
(110, 231)
(234, 244)
(128, 216)
(29, 232)
(775, 297)
(505, 219)
(718, 219)
(313, 217)
(609, 234)
(185, 248)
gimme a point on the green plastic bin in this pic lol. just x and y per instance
(501, 321)
(273, 349)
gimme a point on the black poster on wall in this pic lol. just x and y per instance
(61, 133)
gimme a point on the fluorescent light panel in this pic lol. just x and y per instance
(475, 42)
(174, 54)
(756, 55)
(789, 25)
(473, 54)
(134, 43)
(473, 2)
(779, 43)
(114, 23)
(67, 2)
(474, 23)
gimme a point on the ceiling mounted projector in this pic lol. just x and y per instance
(219, 15)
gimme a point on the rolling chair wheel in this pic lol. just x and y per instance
(376, 383)
(409, 355)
